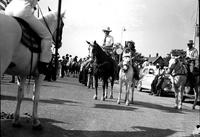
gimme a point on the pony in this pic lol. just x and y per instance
(126, 77)
(178, 72)
(104, 67)
(18, 59)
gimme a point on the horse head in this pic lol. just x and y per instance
(172, 63)
(51, 22)
(126, 61)
(95, 50)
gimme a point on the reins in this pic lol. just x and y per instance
(46, 22)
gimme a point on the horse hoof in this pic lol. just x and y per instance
(95, 97)
(118, 102)
(111, 97)
(180, 107)
(193, 107)
(37, 127)
(131, 102)
(127, 103)
(103, 98)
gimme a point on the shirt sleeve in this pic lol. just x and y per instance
(195, 54)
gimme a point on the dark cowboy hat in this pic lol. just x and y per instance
(107, 29)
(190, 42)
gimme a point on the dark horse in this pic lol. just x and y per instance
(104, 67)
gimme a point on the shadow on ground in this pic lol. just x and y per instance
(115, 107)
(51, 130)
(160, 107)
(49, 101)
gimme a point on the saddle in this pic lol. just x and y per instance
(29, 37)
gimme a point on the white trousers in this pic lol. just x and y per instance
(37, 26)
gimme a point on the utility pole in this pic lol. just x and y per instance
(196, 23)
(57, 37)
(122, 32)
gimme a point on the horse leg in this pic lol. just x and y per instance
(111, 90)
(106, 89)
(120, 92)
(96, 87)
(127, 93)
(180, 97)
(88, 80)
(132, 92)
(103, 86)
(20, 96)
(36, 94)
(176, 97)
(196, 95)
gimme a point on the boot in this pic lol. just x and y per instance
(43, 67)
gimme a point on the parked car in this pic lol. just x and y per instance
(147, 75)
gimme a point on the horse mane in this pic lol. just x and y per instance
(100, 54)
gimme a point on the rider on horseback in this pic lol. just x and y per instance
(25, 9)
(108, 41)
(192, 57)
(130, 45)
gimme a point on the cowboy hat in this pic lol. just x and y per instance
(107, 29)
(190, 42)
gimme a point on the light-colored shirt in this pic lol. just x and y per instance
(108, 41)
(21, 7)
(192, 53)
(3, 4)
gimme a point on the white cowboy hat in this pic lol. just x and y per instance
(107, 29)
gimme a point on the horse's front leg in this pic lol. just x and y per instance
(103, 86)
(127, 94)
(106, 89)
(176, 93)
(20, 96)
(111, 90)
(96, 87)
(132, 92)
(120, 92)
(36, 96)
(196, 95)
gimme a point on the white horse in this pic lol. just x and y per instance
(12, 51)
(126, 77)
(178, 73)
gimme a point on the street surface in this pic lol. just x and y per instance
(67, 109)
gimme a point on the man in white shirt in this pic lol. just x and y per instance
(108, 40)
(192, 56)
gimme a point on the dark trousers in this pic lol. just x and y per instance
(153, 85)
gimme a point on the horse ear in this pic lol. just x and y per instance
(89, 43)
(63, 13)
(49, 9)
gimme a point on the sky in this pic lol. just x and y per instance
(156, 26)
